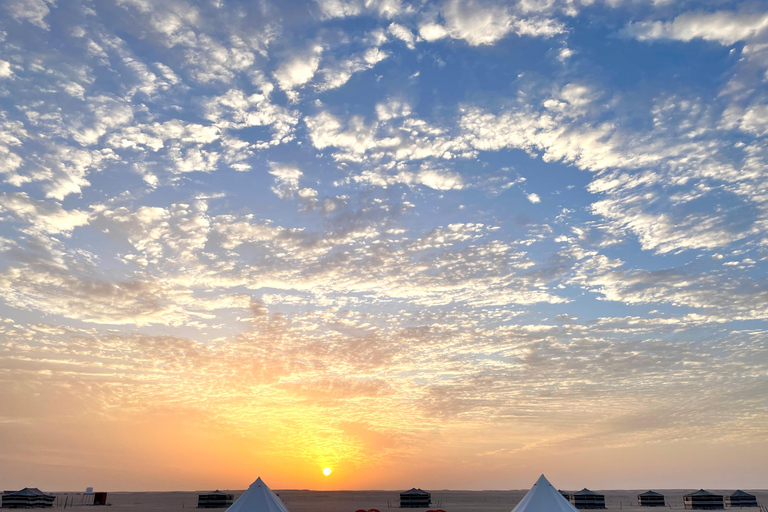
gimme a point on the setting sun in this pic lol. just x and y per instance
(327, 471)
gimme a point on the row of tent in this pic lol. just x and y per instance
(699, 500)
(32, 497)
(542, 497)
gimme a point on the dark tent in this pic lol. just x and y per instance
(415, 498)
(741, 499)
(586, 499)
(703, 500)
(650, 499)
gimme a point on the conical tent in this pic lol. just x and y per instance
(258, 498)
(544, 498)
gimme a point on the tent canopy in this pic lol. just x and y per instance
(702, 492)
(27, 491)
(586, 492)
(258, 498)
(415, 491)
(544, 498)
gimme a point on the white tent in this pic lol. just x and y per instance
(258, 498)
(544, 498)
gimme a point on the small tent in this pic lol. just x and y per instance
(415, 498)
(544, 498)
(586, 499)
(28, 497)
(215, 499)
(703, 500)
(651, 499)
(741, 499)
(258, 498)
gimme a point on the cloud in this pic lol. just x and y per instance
(752, 119)
(170, 295)
(402, 33)
(339, 74)
(724, 27)
(437, 179)
(5, 69)
(286, 180)
(348, 8)
(298, 71)
(484, 23)
(716, 295)
(432, 31)
(395, 137)
(42, 216)
(33, 11)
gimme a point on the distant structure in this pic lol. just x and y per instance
(415, 498)
(703, 500)
(99, 498)
(565, 494)
(586, 499)
(215, 499)
(28, 497)
(741, 499)
(651, 499)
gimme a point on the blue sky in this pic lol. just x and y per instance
(497, 211)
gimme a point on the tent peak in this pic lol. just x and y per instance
(543, 497)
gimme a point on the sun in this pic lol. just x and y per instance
(327, 471)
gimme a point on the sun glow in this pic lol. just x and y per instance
(327, 471)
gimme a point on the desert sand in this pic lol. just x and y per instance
(351, 501)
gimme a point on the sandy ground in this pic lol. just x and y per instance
(351, 501)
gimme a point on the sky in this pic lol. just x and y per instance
(450, 244)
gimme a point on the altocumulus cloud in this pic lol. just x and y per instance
(315, 224)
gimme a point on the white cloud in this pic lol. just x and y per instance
(5, 69)
(724, 27)
(106, 113)
(286, 180)
(298, 71)
(437, 179)
(43, 216)
(347, 8)
(74, 89)
(33, 11)
(65, 169)
(534, 198)
(753, 119)
(339, 74)
(392, 109)
(236, 110)
(484, 23)
(564, 54)
(432, 31)
(403, 34)
(475, 22)
(409, 139)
